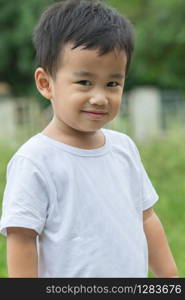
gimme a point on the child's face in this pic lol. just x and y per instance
(85, 82)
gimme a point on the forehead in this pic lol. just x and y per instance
(80, 59)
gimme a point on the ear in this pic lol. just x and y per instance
(43, 83)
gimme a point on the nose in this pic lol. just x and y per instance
(99, 99)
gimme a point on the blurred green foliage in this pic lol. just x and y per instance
(17, 20)
(158, 57)
(160, 41)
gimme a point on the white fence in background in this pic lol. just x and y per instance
(146, 113)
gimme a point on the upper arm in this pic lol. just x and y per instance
(21, 234)
(147, 214)
(22, 257)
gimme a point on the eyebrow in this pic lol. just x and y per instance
(83, 74)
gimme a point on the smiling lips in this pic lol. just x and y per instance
(95, 114)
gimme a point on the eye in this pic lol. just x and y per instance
(113, 84)
(84, 82)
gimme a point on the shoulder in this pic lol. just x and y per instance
(32, 146)
(121, 139)
(117, 135)
(33, 151)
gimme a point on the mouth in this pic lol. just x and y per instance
(95, 114)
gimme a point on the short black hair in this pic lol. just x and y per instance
(87, 23)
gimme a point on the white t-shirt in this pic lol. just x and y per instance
(86, 206)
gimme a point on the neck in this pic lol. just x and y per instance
(70, 136)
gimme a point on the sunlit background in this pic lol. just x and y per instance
(153, 106)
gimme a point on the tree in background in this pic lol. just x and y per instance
(17, 63)
(160, 41)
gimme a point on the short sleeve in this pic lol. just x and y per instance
(149, 195)
(25, 200)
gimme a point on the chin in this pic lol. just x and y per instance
(88, 130)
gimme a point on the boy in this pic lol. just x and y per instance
(78, 202)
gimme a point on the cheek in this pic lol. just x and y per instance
(116, 102)
(76, 100)
(70, 104)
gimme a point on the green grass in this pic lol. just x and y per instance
(5, 154)
(164, 161)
